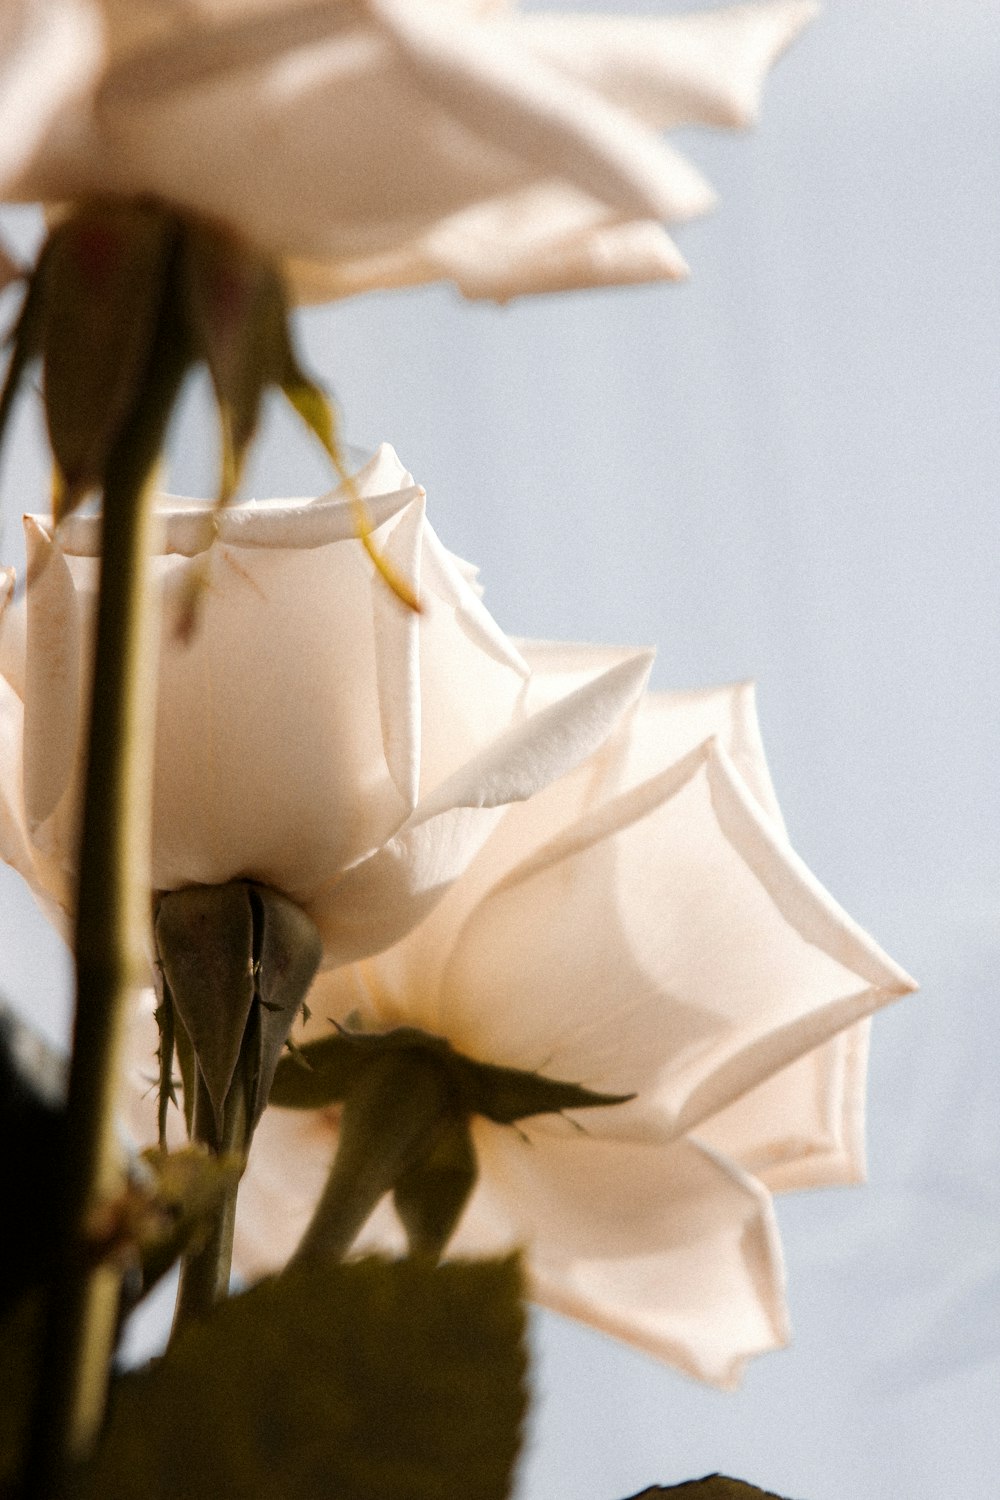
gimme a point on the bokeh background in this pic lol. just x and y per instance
(788, 469)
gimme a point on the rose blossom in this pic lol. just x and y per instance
(407, 140)
(641, 926)
(316, 735)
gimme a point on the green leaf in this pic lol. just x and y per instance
(102, 277)
(712, 1487)
(371, 1381)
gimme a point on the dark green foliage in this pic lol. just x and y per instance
(20, 1349)
(31, 1121)
(712, 1487)
(371, 1381)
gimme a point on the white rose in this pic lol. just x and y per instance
(407, 140)
(316, 735)
(642, 926)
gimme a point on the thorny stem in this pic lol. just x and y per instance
(111, 923)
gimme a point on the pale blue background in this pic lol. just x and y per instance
(788, 469)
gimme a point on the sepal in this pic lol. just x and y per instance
(407, 1100)
(236, 962)
(103, 274)
(322, 1072)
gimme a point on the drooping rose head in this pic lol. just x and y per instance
(315, 734)
(641, 927)
(405, 141)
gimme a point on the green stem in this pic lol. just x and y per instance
(111, 925)
(389, 1119)
(205, 1274)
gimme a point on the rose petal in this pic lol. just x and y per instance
(498, 90)
(702, 69)
(553, 741)
(606, 255)
(543, 238)
(48, 53)
(658, 731)
(47, 882)
(805, 1126)
(670, 1248)
(454, 583)
(670, 944)
(373, 904)
(397, 654)
(190, 527)
(298, 740)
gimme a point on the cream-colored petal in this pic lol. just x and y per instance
(383, 474)
(324, 149)
(455, 584)
(706, 68)
(397, 654)
(375, 903)
(804, 1127)
(48, 883)
(497, 89)
(189, 527)
(669, 944)
(543, 238)
(49, 51)
(52, 676)
(412, 967)
(544, 746)
(631, 254)
(668, 725)
(289, 1161)
(657, 731)
(668, 1247)
(269, 750)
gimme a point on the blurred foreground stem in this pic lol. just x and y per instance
(205, 1273)
(112, 922)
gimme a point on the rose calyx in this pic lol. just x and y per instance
(407, 1101)
(235, 961)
